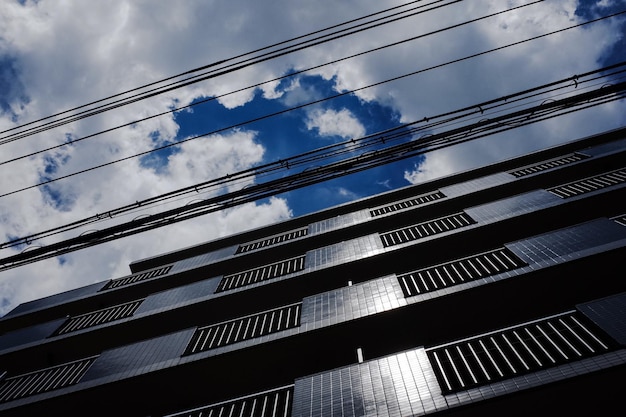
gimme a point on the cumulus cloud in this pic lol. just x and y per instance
(607, 3)
(439, 164)
(331, 122)
(103, 262)
(55, 58)
(214, 156)
(347, 194)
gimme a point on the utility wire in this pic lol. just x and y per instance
(334, 170)
(283, 77)
(267, 116)
(218, 72)
(337, 149)
(210, 65)
(334, 150)
(152, 225)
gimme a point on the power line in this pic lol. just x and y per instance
(210, 65)
(337, 169)
(274, 114)
(216, 72)
(283, 77)
(331, 170)
(294, 161)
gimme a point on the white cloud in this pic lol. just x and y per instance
(71, 52)
(439, 164)
(102, 262)
(214, 156)
(296, 94)
(347, 194)
(330, 122)
(607, 3)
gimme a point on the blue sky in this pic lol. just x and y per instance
(54, 58)
(289, 134)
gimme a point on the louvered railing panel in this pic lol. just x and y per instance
(621, 219)
(95, 318)
(425, 229)
(245, 328)
(546, 165)
(590, 184)
(119, 282)
(45, 380)
(263, 273)
(516, 351)
(274, 403)
(459, 271)
(412, 202)
(274, 240)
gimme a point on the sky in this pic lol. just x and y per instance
(60, 54)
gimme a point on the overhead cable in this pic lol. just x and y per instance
(337, 169)
(273, 80)
(274, 114)
(428, 123)
(217, 72)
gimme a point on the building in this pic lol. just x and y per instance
(498, 290)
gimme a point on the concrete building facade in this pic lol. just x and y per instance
(495, 290)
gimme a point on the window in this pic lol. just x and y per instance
(401, 205)
(515, 351)
(550, 164)
(459, 271)
(49, 379)
(263, 273)
(425, 229)
(131, 279)
(245, 328)
(590, 184)
(98, 317)
(273, 240)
